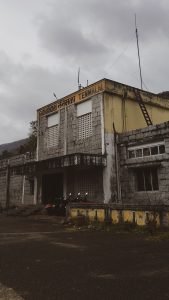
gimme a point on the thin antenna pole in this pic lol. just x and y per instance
(78, 79)
(141, 80)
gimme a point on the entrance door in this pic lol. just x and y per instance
(52, 187)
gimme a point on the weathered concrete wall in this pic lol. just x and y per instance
(120, 214)
(19, 185)
(3, 187)
(128, 166)
(16, 185)
(68, 133)
(109, 173)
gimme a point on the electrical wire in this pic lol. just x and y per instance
(123, 51)
(147, 88)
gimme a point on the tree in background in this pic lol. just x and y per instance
(5, 154)
(30, 145)
(32, 139)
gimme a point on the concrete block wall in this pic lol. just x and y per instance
(16, 185)
(120, 214)
(3, 187)
(68, 133)
(128, 166)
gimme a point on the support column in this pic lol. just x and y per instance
(35, 198)
(23, 189)
(39, 189)
(109, 172)
(65, 184)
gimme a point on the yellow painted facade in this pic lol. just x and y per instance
(120, 105)
(122, 109)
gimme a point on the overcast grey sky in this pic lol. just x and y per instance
(43, 42)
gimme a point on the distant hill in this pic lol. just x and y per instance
(12, 146)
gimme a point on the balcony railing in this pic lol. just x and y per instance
(72, 160)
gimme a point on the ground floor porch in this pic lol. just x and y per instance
(42, 182)
(70, 183)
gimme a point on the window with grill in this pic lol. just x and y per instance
(146, 150)
(147, 179)
(84, 126)
(88, 183)
(53, 130)
(52, 136)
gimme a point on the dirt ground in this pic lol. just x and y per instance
(41, 259)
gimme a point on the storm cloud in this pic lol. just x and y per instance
(43, 43)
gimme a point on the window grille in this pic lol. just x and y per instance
(86, 184)
(146, 150)
(147, 179)
(52, 136)
(84, 126)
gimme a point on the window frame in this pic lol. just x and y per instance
(87, 130)
(55, 125)
(152, 184)
(132, 151)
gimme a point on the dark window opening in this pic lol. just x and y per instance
(139, 153)
(52, 187)
(146, 151)
(131, 154)
(161, 149)
(147, 179)
(154, 150)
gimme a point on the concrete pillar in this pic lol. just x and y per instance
(23, 189)
(35, 198)
(109, 172)
(65, 184)
(38, 184)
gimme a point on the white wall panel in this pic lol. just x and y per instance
(53, 120)
(84, 108)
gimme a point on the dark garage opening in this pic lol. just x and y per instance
(52, 187)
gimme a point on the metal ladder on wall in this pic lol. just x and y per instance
(143, 108)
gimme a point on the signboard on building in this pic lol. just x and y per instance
(76, 97)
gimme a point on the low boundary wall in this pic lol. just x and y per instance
(140, 215)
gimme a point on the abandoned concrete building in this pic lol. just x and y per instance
(91, 142)
(144, 165)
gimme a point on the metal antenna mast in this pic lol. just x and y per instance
(78, 79)
(141, 80)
